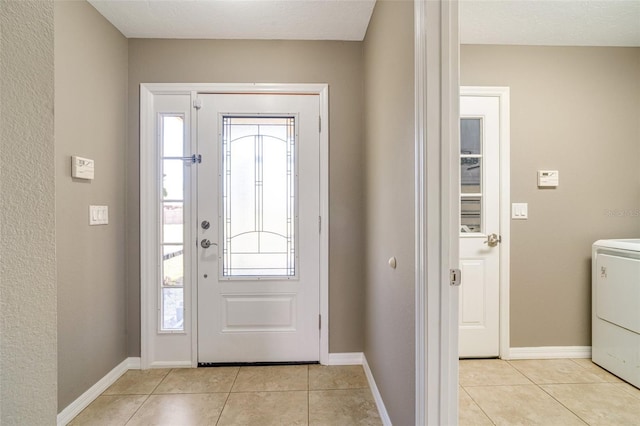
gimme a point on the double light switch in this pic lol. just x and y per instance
(519, 210)
(98, 215)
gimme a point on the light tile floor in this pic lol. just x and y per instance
(544, 392)
(274, 395)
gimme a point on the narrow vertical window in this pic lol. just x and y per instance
(172, 214)
(259, 196)
(471, 192)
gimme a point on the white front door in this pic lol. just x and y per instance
(258, 225)
(479, 311)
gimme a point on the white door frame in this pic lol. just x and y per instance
(437, 122)
(502, 93)
(149, 201)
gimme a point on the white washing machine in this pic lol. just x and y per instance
(616, 307)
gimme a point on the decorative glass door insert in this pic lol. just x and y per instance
(259, 200)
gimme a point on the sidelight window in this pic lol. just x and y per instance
(172, 231)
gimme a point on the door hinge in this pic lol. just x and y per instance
(320, 224)
(319, 322)
(319, 124)
(197, 103)
(455, 277)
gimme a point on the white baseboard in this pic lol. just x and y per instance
(358, 358)
(346, 358)
(73, 409)
(382, 410)
(171, 364)
(133, 363)
(550, 352)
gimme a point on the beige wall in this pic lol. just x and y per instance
(91, 116)
(218, 61)
(389, 146)
(576, 110)
(27, 234)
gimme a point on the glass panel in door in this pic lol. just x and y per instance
(258, 197)
(471, 172)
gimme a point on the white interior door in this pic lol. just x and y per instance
(479, 311)
(258, 228)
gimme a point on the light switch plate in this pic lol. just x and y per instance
(98, 215)
(519, 210)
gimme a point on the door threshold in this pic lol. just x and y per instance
(471, 358)
(254, 364)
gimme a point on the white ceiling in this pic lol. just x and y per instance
(532, 22)
(239, 19)
(551, 22)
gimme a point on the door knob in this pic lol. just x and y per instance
(206, 243)
(493, 240)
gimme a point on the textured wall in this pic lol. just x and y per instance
(91, 115)
(221, 61)
(576, 110)
(390, 230)
(27, 237)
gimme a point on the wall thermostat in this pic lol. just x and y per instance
(82, 168)
(548, 178)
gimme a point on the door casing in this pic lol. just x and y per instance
(437, 148)
(148, 202)
(502, 93)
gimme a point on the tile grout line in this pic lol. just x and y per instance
(478, 404)
(147, 398)
(559, 402)
(136, 410)
(228, 396)
(521, 372)
(583, 368)
(160, 382)
(235, 379)
(624, 387)
(577, 363)
(202, 392)
(604, 370)
(552, 397)
(586, 370)
(249, 391)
